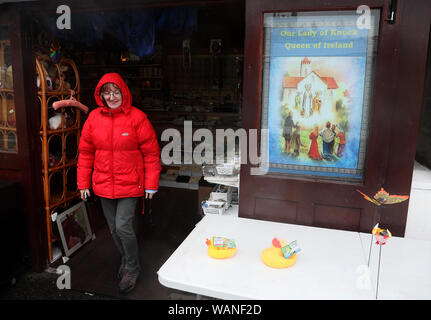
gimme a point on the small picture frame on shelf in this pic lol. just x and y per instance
(74, 228)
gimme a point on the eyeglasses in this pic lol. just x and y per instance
(116, 94)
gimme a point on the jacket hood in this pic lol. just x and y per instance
(118, 80)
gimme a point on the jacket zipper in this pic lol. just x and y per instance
(112, 153)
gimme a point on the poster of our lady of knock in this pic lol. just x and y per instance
(317, 78)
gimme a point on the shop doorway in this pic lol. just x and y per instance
(188, 68)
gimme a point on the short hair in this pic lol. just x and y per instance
(106, 86)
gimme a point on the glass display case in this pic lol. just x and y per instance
(8, 131)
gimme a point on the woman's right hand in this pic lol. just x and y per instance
(85, 193)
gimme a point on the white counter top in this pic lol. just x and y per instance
(404, 268)
(418, 224)
(326, 268)
(421, 178)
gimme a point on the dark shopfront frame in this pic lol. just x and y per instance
(396, 103)
(261, 196)
(24, 166)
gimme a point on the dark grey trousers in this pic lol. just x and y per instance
(120, 215)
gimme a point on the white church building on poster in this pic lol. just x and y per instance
(308, 83)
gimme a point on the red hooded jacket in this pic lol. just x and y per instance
(118, 151)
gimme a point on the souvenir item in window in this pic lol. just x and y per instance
(48, 82)
(55, 122)
(11, 118)
(55, 52)
(9, 77)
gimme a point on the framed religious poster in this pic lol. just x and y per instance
(316, 92)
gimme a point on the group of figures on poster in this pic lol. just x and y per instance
(310, 110)
(320, 111)
(316, 101)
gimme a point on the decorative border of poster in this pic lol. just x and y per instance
(316, 96)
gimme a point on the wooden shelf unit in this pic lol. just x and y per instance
(60, 195)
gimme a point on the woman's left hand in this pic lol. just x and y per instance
(149, 195)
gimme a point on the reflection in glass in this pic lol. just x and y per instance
(8, 134)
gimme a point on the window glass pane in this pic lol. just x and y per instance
(316, 96)
(8, 134)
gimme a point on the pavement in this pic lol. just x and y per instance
(43, 286)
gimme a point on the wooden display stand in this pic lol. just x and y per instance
(59, 141)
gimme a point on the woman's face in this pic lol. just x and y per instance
(112, 95)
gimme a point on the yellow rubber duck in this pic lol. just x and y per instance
(273, 257)
(220, 252)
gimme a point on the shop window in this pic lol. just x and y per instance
(10, 108)
(11, 139)
(8, 140)
(8, 136)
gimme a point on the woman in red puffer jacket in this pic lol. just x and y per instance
(119, 157)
